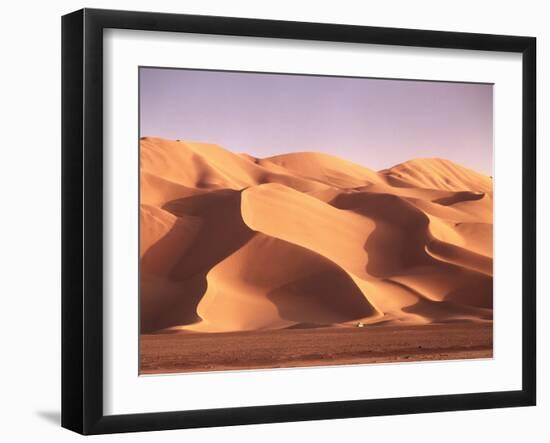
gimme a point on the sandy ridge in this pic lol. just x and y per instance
(230, 242)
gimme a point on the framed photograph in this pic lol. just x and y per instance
(269, 221)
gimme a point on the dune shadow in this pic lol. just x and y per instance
(200, 204)
(474, 292)
(394, 180)
(400, 234)
(443, 311)
(324, 297)
(458, 197)
(398, 246)
(171, 289)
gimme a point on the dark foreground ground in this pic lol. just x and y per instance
(196, 352)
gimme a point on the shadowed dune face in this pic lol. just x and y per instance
(229, 242)
(273, 283)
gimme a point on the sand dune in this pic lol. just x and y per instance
(324, 168)
(230, 242)
(437, 173)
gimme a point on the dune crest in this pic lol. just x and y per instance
(437, 173)
(230, 242)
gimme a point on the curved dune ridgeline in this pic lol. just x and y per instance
(230, 242)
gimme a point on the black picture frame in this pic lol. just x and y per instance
(82, 219)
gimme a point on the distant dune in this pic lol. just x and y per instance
(230, 242)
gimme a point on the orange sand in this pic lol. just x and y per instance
(234, 243)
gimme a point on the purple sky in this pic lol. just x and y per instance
(376, 123)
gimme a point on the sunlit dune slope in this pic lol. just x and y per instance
(229, 242)
(435, 173)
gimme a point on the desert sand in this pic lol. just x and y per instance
(287, 348)
(308, 243)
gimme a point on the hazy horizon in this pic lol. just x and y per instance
(374, 122)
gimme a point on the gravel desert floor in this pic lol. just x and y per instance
(286, 348)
